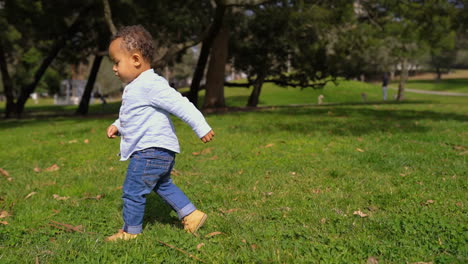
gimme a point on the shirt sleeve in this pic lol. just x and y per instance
(117, 124)
(170, 100)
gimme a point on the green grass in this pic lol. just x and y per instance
(281, 184)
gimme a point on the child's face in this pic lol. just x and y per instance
(126, 65)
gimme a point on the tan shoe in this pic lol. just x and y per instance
(121, 235)
(194, 221)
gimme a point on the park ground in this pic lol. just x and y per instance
(348, 181)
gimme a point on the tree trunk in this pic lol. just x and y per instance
(214, 97)
(59, 44)
(403, 78)
(84, 103)
(7, 84)
(204, 53)
(257, 88)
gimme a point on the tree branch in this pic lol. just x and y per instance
(108, 17)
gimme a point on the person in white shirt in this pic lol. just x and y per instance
(147, 134)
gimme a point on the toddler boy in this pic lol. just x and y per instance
(147, 134)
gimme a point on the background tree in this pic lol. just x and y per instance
(43, 30)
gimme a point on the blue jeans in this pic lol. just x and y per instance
(150, 170)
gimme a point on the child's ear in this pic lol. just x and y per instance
(137, 59)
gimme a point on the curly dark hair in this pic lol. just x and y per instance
(136, 38)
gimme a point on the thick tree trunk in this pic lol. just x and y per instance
(403, 78)
(84, 103)
(7, 84)
(257, 88)
(214, 97)
(204, 53)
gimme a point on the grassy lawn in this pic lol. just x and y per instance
(345, 182)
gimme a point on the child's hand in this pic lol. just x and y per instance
(208, 137)
(112, 131)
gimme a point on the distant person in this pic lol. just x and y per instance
(384, 85)
(147, 134)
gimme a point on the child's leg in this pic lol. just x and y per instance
(146, 169)
(172, 195)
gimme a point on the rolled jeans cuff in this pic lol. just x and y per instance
(188, 209)
(133, 229)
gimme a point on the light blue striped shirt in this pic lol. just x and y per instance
(144, 120)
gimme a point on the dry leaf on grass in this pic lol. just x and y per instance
(86, 141)
(37, 169)
(203, 152)
(54, 167)
(29, 195)
(269, 145)
(72, 141)
(360, 150)
(66, 227)
(361, 214)
(6, 174)
(90, 197)
(212, 234)
(372, 260)
(229, 211)
(60, 198)
(428, 202)
(4, 214)
(4, 222)
(200, 245)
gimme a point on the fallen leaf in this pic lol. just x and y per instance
(254, 246)
(372, 260)
(229, 211)
(293, 173)
(240, 172)
(6, 174)
(86, 141)
(244, 241)
(54, 167)
(463, 153)
(212, 234)
(360, 150)
(361, 214)
(203, 152)
(4, 214)
(4, 222)
(215, 157)
(60, 198)
(200, 246)
(72, 141)
(268, 193)
(269, 145)
(37, 169)
(323, 220)
(29, 195)
(459, 204)
(428, 202)
(175, 172)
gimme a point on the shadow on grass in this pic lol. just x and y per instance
(338, 119)
(157, 211)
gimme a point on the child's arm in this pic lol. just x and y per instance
(170, 100)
